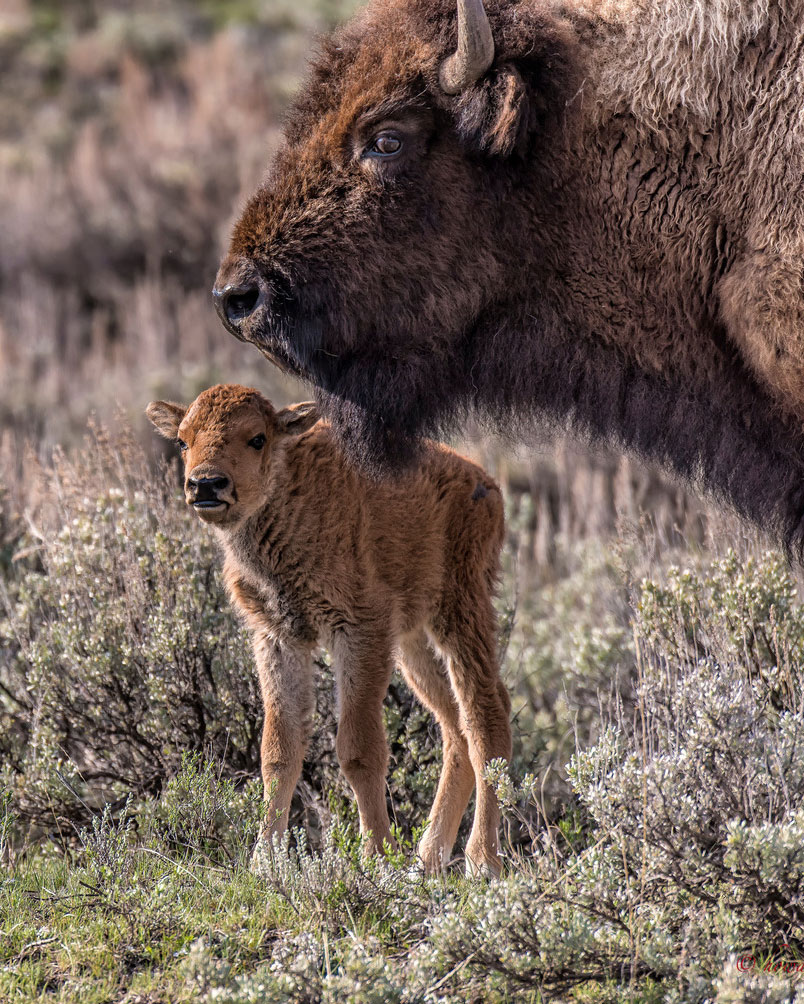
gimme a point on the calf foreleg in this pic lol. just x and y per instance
(286, 680)
(285, 670)
(363, 669)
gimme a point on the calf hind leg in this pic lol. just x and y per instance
(426, 674)
(469, 642)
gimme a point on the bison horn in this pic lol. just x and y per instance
(475, 51)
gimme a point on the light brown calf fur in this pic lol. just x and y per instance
(381, 573)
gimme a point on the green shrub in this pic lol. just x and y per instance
(691, 845)
(120, 651)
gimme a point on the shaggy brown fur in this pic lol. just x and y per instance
(378, 573)
(605, 231)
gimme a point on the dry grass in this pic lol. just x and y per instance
(140, 135)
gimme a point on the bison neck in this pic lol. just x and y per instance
(646, 252)
(714, 429)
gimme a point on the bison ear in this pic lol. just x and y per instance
(298, 418)
(493, 114)
(166, 417)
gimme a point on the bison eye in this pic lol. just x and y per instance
(386, 144)
(257, 442)
(181, 444)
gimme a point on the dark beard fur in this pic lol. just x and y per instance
(380, 421)
(725, 439)
(721, 436)
(378, 451)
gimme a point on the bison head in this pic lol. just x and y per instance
(228, 437)
(392, 220)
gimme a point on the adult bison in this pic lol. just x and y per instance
(588, 212)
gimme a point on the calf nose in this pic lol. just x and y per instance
(235, 304)
(207, 489)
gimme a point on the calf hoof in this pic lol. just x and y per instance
(373, 847)
(434, 858)
(262, 857)
(483, 864)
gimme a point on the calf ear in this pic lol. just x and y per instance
(166, 417)
(493, 114)
(298, 418)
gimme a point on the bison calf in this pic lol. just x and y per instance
(379, 573)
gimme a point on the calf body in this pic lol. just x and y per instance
(381, 573)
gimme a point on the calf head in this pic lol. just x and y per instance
(227, 437)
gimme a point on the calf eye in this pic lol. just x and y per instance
(257, 442)
(386, 144)
(182, 445)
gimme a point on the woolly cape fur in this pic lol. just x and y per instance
(618, 238)
(662, 57)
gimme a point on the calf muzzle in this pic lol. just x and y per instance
(204, 493)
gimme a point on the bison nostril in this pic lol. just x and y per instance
(236, 303)
(206, 489)
(240, 305)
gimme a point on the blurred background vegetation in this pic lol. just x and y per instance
(130, 133)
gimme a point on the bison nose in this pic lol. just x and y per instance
(235, 304)
(206, 490)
